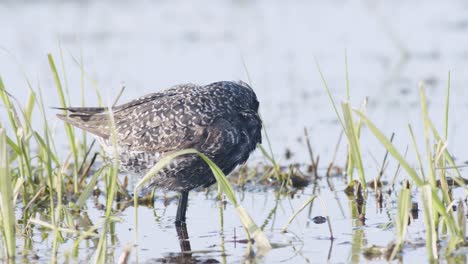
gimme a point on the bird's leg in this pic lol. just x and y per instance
(182, 208)
(183, 238)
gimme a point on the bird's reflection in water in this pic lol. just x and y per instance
(186, 254)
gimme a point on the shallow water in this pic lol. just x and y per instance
(151, 45)
(216, 236)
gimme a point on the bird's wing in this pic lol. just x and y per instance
(170, 123)
(222, 141)
(96, 120)
(160, 122)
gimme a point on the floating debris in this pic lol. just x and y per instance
(319, 220)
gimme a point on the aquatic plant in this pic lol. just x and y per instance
(437, 209)
(351, 129)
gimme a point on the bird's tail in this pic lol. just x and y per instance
(92, 119)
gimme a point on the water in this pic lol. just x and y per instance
(216, 234)
(151, 45)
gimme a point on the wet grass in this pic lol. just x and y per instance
(431, 182)
(7, 211)
(44, 181)
(41, 187)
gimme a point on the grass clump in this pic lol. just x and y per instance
(437, 202)
(431, 180)
(57, 189)
(37, 173)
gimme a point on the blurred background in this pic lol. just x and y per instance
(151, 45)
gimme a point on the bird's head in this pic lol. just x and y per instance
(254, 104)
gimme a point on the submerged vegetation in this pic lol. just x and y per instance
(40, 187)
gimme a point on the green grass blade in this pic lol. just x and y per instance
(449, 158)
(69, 130)
(46, 147)
(461, 218)
(440, 208)
(265, 154)
(428, 211)
(447, 107)
(221, 179)
(329, 95)
(310, 200)
(432, 163)
(28, 110)
(391, 149)
(13, 146)
(88, 189)
(100, 256)
(348, 97)
(426, 120)
(112, 185)
(64, 72)
(262, 242)
(352, 135)
(401, 221)
(253, 230)
(8, 222)
(418, 156)
(160, 165)
(271, 156)
(8, 105)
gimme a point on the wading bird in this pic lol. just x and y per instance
(219, 120)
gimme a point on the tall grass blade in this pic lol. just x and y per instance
(428, 211)
(28, 110)
(348, 97)
(391, 149)
(8, 222)
(418, 156)
(401, 221)
(458, 179)
(447, 107)
(69, 130)
(330, 95)
(270, 156)
(432, 161)
(262, 242)
(8, 105)
(101, 251)
(353, 139)
(461, 218)
(308, 202)
(422, 94)
(88, 189)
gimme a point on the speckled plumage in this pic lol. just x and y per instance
(219, 120)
